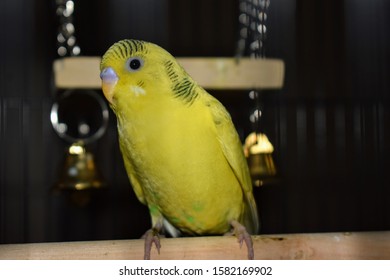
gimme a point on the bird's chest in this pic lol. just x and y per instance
(182, 169)
(155, 133)
(166, 142)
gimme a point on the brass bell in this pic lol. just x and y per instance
(80, 117)
(79, 176)
(79, 171)
(258, 151)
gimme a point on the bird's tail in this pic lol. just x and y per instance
(250, 217)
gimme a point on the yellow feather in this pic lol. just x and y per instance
(179, 145)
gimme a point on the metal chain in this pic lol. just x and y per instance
(66, 40)
(252, 36)
(252, 31)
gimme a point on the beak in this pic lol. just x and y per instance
(109, 80)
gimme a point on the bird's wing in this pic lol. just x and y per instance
(232, 149)
(131, 172)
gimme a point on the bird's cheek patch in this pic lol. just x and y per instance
(137, 90)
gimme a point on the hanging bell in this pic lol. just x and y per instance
(79, 117)
(79, 174)
(258, 151)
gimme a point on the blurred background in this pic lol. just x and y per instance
(329, 124)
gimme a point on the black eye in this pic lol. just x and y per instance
(134, 63)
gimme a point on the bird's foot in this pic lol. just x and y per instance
(151, 236)
(242, 235)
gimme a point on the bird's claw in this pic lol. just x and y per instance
(243, 236)
(151, 236)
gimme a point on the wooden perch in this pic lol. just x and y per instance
(354, 245)
(211, 73)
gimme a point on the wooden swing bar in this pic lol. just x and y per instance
(211, 73)
(313, 246)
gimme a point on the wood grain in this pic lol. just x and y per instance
(314, 246)
(211, 73)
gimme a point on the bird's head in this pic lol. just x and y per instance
(132, 67)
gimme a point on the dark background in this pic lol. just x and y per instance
(329, 124)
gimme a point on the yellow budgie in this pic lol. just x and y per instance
(180, 148)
